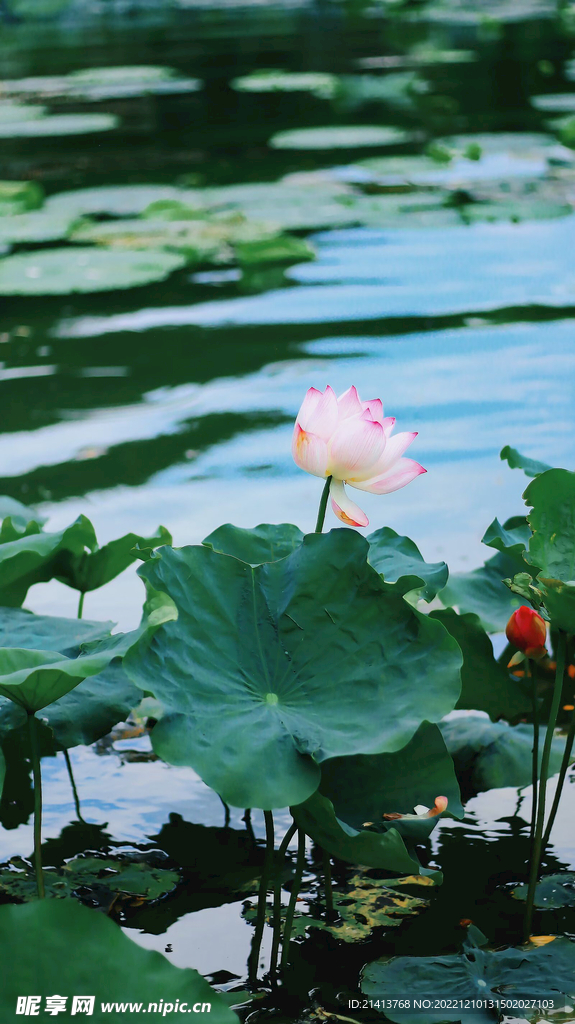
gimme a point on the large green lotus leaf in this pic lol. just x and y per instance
(20, 196)
(264, 543)
(92, 569)
(384, 850)
(55, 125)
(365, 787)
(36, 226)
(318, 83)
(523, 973)
(33, 557)
(515, 460)
(485, 684)
(116, 200)
(483, 592)
(492, 755)
(560, 603)
(552, 520)
(269, 670)
(33, 679)
(66, 270)
(88, 953)
(21, 628)
(340, 137)
(552, 891)
(394, 556)
(89, 710)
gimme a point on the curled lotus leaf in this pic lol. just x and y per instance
(269, 670)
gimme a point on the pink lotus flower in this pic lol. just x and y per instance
(351, 441)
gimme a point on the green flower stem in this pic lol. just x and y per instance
(73, 785)
(296, 886)
(322, 506)
(537, 842)
(328, 890)
(560, 780)
(37, 773)
(535, 760)
(81, 603)
(254, 957)
(277, 919)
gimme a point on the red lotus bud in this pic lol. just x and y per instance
(527, 631)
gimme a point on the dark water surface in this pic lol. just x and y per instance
(175, 403)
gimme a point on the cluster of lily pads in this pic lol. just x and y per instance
(312, 672)
(125, 236)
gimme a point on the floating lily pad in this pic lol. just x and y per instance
(560, 103)
(340, 137)
(128, 876)
(116, 200)
(37, 226)
(527, 974)
(55, 125)
(104, 964)
(20, 196)
(126, 82)
(11, 112)
(552, 891)
(95, 84)
(398, 89)
(198, 240)
(67, 270)
(295, 206)
(318, 83)
(421, 55)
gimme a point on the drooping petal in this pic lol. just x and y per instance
(309, 452)
(375, 409)
(318, 413)
(344, 508)
(401, 474)
(349, 403)
(355, 446)
(393, 450)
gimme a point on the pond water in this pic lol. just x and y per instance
(174, 403)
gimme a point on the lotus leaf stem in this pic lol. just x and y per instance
(328, 889)
(322, 506)
(254, 957)
(560, 780)
(537, 843)
(277, 918)
(535, 760)
(296, 886)
(73, 785)
(81, 603)
(37, 773)
(227, 814)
